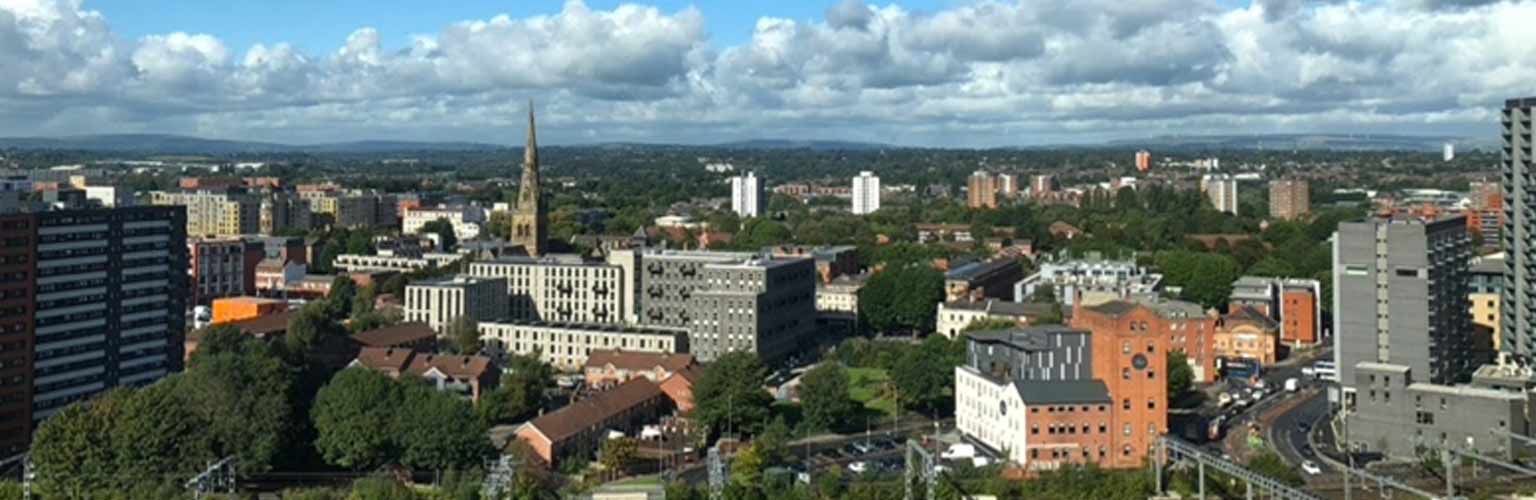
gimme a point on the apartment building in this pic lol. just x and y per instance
(1089, 282)
(567, 346)
(1221, 191)
(561, 288)
(748, 198)
(18, 250)
(221, 267)
(1289, 199)
(467, 220)
(981, 190)
(283, 211)
(351, 209)
(356, 263)
(215, 213)
(728, 301)
(440, 302)
(109, 301)
(1485, 293)
(954, 317)
(866, 193)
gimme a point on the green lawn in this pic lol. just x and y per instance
(865, 385)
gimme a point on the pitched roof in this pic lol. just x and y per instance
(1113, 307)
(464, 367)
(384, 358)
(630, 360)
(581, 415)
(1063, 392)
(396, 335)
(268, 324)
(1247, 314)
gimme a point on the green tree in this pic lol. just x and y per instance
(824, 397)
(444, 231)
(1180, 376)
(71, 459)
(730, 395)
(902, 299)
(1205, 277)
(307, 329)
(921, 378)
(244, 405)
(619, 454)
(1270, 464)
(520, 393)
(363, 303)
(465, 334)
(354, 418)
(339, 301)
(437, 430)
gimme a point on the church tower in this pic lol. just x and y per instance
(529, 227)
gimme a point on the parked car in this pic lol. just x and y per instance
(958, 451)
(859, 467)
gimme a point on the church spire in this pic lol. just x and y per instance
(531, 151)
(529, 227)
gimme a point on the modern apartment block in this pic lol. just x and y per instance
(1221, 190)
(748, 199)
(215, 213)
(351, 209)
(1289, 199)
(221, 267)
(438, 303)
(1400, 291)
(567, 345)
(981, 190)
(1485, 214)
(1052, 396)
(1519, 164)
(283, 211)
(1089, 282)
(1143, 161)
(866, 193)
(1485, 294)
(561, 288)
(729, 301)
(109, 301)
(18, 250)
(467, 221)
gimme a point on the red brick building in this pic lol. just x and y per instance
(1130, 355)
(1299, 312)
(1186, 327)
(16, 332)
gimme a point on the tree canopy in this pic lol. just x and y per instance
(730, 395)
(902, 299)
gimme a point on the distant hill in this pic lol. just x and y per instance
(177, 144)
(1336, 142)
(817, 145)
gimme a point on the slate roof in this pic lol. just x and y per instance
(1063, 392)
(576, 417)
(396, 335)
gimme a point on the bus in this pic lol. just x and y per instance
(1322, 370)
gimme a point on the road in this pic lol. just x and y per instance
(1288, 435)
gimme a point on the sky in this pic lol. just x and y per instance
(949, 73)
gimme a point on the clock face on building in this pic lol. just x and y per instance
(1139, 361)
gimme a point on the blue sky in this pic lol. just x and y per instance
(915, 72)
(318, 26)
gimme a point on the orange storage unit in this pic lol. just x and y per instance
(242, 308)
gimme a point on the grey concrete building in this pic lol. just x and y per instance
(441, 301)
(1519, 304)
(1400, 288)
(729, 301)
(1406, 347)
(566, 346)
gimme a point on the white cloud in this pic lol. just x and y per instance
(982, 72)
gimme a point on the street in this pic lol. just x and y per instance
(1288, 431)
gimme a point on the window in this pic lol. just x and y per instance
(1126, 405)
(1150, 348)
(1407, 273)
(1127, 429)
(1125, 347)
(1034, 429)
(1424, 418)
(1151, 404)
(1125, 373)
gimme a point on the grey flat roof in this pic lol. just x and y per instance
(1063, 392)
(975, 269)
(1467, 391)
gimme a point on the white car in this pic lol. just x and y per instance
(1311, 468)
(859, 467)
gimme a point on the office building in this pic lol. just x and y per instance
(1143, 161)
(1400, 288)
(530, 220)
(467, 221)
(283, 211)
(1053, 396)
(728, 301)
(981, 190)
(1519, 162)
(1289, 199)
(440, 302)
(561, 288)
(866, 193)
(747, 196)
(214, 213)
(1221, 190)
(567, 346)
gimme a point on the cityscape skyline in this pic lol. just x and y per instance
(962, 74)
